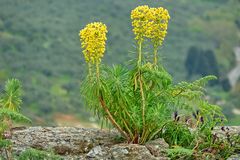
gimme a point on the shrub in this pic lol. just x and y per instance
(10, 102)
(140, 100)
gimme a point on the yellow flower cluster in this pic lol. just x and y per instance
(93, 39)
(150, 23)
(140, 21)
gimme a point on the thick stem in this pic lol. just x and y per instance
(135, 140)
(143, 102)
(97, 70)
(143, 137)
(155, 51)
(141, 85)
(112, 119)
(130, 118)
(139, 53)
(128, 129)
(157, 131)
(89, 69)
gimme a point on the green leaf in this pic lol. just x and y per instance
(14, 116)
(11, 97)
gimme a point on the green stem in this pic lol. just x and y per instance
(143, 101)
(141, 85)
(112, 120)
(89, 72)
(130, 118)
(157, 131)
(155, 51)
(128, 129)
(89, 69)
(144, 136)
(97, 70)
(139, 53)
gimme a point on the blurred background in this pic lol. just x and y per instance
(39, 44)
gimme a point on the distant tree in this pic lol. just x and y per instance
(226, 84)
(191, 60)
(237, 22)
(212, 62)
(200, 62)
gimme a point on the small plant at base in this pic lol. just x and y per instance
(33, 154)
(10, 101)
(180, 153)
(139, 100)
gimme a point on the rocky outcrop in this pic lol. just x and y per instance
(80, 143)
(234, 157)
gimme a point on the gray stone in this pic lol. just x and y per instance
(62, 140)
(92, 144)
(131, 152)
(234, 157)
(157, 147)
(99, 152)
(96, 151)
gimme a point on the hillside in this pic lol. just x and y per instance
(39, 44)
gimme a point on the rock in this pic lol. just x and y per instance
(93, 144)
(62, 150)
(126, 152)
(97, 153)
(225, 132)
(62, 140)
(131, 152)
(234, 157)
(157, 147)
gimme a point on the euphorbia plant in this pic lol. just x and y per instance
(139, 100)
(10, 103)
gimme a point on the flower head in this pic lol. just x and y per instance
(150, 23)
(158, 23)
(140, 21)
(93, 40)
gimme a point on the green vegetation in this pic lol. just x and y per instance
(10, 102)
(10, 105)
(142, 102)
(199, 142)
(140, 98)
(39, 45)
(33, 154)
